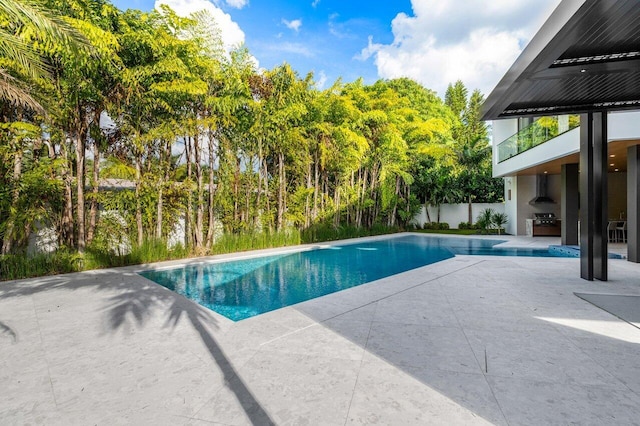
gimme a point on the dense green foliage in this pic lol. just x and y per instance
(449, 231)
(249, 158)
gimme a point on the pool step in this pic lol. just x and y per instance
(574, 251)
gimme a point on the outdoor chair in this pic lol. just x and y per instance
(612, 231)
(621, 232)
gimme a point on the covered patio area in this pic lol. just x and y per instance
(584, 60)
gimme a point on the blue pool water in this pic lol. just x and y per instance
(241, 289)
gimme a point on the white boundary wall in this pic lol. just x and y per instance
(453, 214)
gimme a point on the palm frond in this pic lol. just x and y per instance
(48, 27)
(17, 51)
(47, 22)
(11, 91)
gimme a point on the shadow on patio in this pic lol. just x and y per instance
(131, 306)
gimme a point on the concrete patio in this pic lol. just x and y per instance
(470, 340)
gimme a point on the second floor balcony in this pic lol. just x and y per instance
(537, 133)
(549, 142)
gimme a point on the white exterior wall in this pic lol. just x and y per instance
(623, 125)
(453, 214)
(501, 130)
(43, 240)
(511, 204)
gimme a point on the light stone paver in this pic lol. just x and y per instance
(470, 340)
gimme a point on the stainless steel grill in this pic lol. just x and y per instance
(544, 219)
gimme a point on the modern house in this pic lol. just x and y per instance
(566, 130)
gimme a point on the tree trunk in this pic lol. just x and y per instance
(188, 221)
(259, 194)
(392, 218)
(360, 197)
(236, 184)
(426, 210)
(307, 205)
(67, 215)
(200, 201)
(349, 209)
(165, 158)
(281, 190)
(316, 177)
(248, 188)
(159, 211)
(373, 213)
(408, 219)
(470, 211)
(325, 190)
(93, 212)
(80, 175)
(140, 238)
(210, 231)
(336, 220)
(7, 241)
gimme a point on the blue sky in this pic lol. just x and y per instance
(432, 41)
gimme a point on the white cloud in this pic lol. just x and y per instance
(443, 42)
(238, 4)
(315, 3)
(293, 25)
(230, 31)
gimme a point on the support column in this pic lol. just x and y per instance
(633, 204)
(593, 196)
(569, 205)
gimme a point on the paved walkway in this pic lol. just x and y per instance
(471, 340)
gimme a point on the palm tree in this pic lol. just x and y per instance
(28, 63)
(474, 155)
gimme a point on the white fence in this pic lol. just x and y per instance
(453, 214)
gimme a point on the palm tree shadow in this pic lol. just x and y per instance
(5, 329)
(134, 306)
(133, 303)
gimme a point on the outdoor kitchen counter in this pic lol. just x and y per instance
(533, 230)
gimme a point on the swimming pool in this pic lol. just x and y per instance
(240, 289)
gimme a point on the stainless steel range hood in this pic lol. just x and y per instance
(541, 192)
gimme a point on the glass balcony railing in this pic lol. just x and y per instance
(537, 133)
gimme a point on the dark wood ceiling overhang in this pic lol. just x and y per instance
(586, 57)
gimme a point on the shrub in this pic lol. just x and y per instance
(435, 226)
(151, 250)
(16, 266)
(499, 220)
(489, 220)
(329, 232)
(243, 241)
(484, 222)
(111, 237)
(466, 225)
